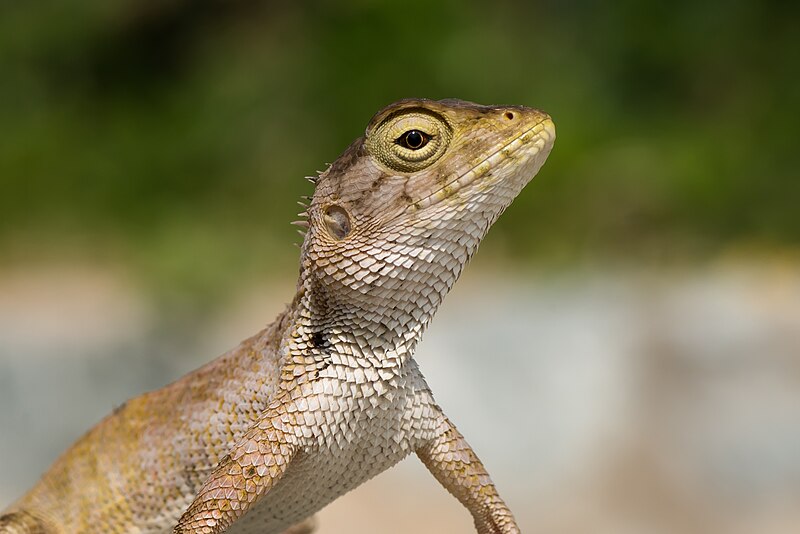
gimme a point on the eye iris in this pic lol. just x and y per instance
(414, 139)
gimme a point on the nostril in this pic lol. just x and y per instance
(509, 115)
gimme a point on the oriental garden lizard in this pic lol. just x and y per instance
(329, 394)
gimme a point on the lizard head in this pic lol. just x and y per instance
(395, 218)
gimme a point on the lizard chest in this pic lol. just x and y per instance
(353, 431)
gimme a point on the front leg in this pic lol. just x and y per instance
(252, 467)
(455, 465)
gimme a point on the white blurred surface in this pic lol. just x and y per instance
(616, 401)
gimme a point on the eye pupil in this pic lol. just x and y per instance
(414, 139)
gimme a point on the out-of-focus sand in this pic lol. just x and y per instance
(605, 402)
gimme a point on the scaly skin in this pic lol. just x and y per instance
(328, 395)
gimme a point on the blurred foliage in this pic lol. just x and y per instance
(173, 134)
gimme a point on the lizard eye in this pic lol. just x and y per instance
(413, 139)
(409, 140)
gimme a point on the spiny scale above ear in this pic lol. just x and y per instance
(315, 179)
(304, 202)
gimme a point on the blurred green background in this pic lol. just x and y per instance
(171, 136)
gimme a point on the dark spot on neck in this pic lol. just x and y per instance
(317, 340)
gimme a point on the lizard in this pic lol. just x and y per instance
(329, 394)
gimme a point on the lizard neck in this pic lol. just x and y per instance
(332, 324)
(372, 306)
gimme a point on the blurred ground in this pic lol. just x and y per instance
(612, 401)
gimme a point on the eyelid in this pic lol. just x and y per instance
(385, 141)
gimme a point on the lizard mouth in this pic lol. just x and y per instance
(536, 139)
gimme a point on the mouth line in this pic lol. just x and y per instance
(488, 163)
